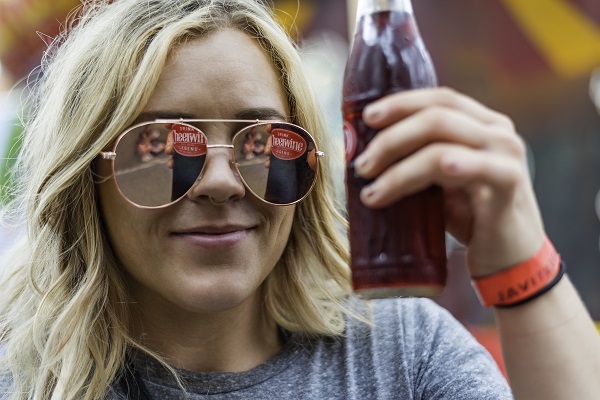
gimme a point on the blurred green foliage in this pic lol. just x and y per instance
(7, 162)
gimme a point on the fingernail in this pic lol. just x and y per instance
(360, 163)
(368, 193)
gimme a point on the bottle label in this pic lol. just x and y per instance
(287, 145)
(349, 140)
(188, 141)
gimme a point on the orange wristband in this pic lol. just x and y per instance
(522, 282)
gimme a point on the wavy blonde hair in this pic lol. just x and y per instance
(63, 302)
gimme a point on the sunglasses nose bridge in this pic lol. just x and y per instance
(211, 153)
(216, 151)
(214, 180)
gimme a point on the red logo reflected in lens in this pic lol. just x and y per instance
(188, 141)
(287, 145)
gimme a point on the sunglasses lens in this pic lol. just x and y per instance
(277, 161)
(157, 164)
(150, 173)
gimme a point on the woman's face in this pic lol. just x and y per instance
(195, 255)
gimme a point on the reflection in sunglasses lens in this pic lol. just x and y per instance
(157, 164)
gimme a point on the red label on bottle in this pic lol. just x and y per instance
(287, 145)
(188, 141)
(349, 140)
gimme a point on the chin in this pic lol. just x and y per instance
(217, 298)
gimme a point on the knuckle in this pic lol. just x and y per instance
(439, 148)
(517, 146)
(435, 151)
(520, 146)
(448, 96)
(438, 118)
(514, 174)
(505, 121)
(508, 171)
(510, 142)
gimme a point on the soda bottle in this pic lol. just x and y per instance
(399, 250)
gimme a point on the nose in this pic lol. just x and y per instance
(218, 180)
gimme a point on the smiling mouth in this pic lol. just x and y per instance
(214, 238)
(213, 230)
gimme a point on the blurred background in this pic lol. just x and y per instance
(537, 61)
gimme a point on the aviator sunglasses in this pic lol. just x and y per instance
(156, 163)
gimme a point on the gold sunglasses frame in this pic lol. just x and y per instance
(111, 155)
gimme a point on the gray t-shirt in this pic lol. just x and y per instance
(413, 350)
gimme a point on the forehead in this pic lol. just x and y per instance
(216, 76)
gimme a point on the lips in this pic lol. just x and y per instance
(213, 237)
(212, 229)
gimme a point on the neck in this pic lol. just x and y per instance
(235, 340)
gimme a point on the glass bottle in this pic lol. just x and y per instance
(399, 250)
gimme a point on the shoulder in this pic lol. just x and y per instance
(403, 315)
(416, 323)
(431, 348)
(415, 306)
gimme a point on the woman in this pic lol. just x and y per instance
(122, 291)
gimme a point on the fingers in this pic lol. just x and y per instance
(388, 109)
(169, 147)
(169, 143)
(435, 124)
(311, 160)
(268, 146)
(438, 136)
(447, 165)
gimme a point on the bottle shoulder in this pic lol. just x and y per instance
(387, 55)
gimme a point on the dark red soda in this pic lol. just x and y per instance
(398, 250)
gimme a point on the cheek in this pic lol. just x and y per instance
(112, 206)
(122, 222)
(280, 230)
(288, 220)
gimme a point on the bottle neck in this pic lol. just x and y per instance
(365, 7)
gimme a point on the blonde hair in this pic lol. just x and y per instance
(63, 303)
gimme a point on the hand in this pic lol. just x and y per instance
(267, 151)
(438, 136)
(169, 146)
